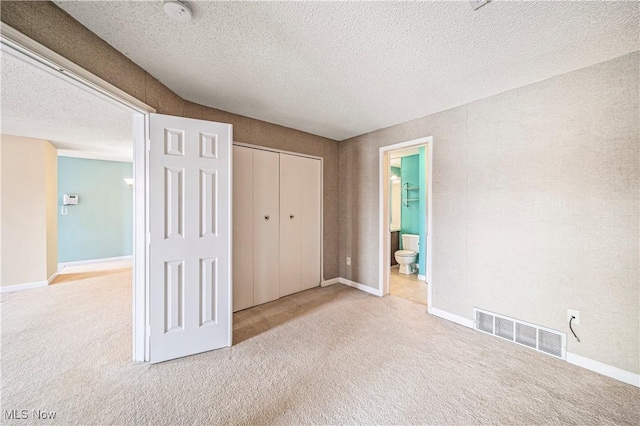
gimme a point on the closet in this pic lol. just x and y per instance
(276, 225)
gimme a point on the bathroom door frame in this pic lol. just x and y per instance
(384, 256)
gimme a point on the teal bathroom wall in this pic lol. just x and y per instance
(101, 224)
(410, 214)
(422, 171)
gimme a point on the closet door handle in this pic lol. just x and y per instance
(291, 216)
(266, 217)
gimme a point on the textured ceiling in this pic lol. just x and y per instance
(41, 105)
(343, 69)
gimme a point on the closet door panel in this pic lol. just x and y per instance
(242, 228)
(290, 224)
(266, 220)
(310, 225)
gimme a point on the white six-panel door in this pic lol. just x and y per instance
(190, 236)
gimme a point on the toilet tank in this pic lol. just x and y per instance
(411, 242)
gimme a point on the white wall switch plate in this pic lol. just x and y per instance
(348, 261)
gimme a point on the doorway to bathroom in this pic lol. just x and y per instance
(405, 225)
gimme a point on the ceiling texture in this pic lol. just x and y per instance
(343, 69)
(38, 104)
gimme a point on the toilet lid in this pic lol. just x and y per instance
(405, 253)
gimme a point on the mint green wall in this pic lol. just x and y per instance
(410, 215)
(422, 258)
(101, 224)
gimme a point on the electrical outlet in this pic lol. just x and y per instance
(348, 261)
(573, 313)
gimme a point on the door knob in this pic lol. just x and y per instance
(266, 217)
(291, 216)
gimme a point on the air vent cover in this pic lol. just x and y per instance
(484, 322)
(504, 328)
(526, 335)
(550, 343)
(533, 336)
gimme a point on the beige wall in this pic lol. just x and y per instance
(28, 248)
(535, 209)
(51, 207)
(49, 25)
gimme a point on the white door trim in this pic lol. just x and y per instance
(383, 212)
(29, 50)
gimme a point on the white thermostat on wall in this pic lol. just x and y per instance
(69, 199)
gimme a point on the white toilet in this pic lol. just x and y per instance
(407, 257)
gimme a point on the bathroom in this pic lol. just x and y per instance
(408, 223)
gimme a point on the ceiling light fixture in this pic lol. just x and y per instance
(178, 10)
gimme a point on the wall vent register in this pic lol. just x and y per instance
(541, 339)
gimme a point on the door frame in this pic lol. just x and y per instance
(384, 256)
(281, 151)
(19, 45)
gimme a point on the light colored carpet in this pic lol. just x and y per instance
(328, 355)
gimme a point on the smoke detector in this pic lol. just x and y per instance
(178, 10)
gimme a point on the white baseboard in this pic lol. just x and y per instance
(27, 286)
(451, 317)
(422, 277)
(365, 288)
(604, 369)
(589, 364)
(330, 282)
(63, 265)
(20, 287)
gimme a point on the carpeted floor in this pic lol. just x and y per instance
(330, 355)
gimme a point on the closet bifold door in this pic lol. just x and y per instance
(242, 228)
(290, 223)
(300, 216)
(266, 224)
(310, 222)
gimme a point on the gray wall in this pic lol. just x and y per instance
(535, 206)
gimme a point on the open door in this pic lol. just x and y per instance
(190, 307)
